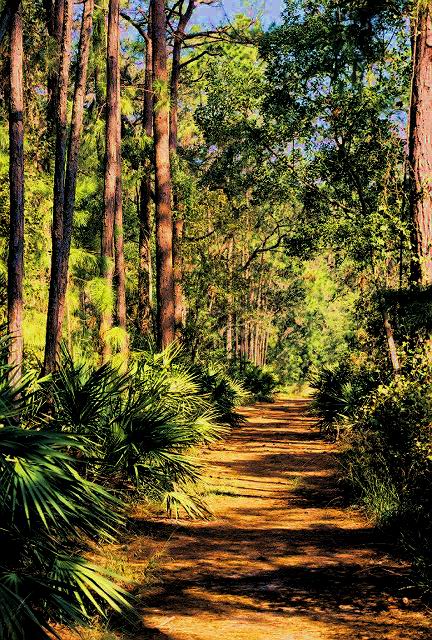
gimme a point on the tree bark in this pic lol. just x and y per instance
(145, 266)
(420, 145)
(179, 301)
(16, 177)
(230, 318)
(120, 265)
(163, 187)
(52, 339)
(175, 72)
(112, 175)
(391, 343)
(55, 16)
(72, 160)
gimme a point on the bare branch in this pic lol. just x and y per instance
(197, 57)
(139, 26)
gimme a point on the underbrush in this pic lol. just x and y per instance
(76, 448)
(259, 382)
(338, 391)
(386, 437)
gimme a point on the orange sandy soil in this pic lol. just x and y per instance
(283, 558)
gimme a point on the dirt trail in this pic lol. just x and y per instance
(283, 559)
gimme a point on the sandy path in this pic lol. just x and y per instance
(283, 559)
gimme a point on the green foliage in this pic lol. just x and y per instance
(141, 425)
(226, 392)
(259, 382)
(340, 390)
(48, 509)
(385, 427)
(101, 295)
(388, 461)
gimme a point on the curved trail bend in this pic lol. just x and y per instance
(282, 559)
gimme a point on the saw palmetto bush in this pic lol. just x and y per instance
(387, 460)
(48, 511)
(259, 382)
(141, 426)
(339, 390)
(225, 392)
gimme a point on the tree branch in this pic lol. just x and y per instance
(139, 26)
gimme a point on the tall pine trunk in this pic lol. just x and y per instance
(112, 184)
(163, 187)
(230, 301)
(73, 153)
(53, 316)
(55, 16)
(145, 266)
(16, 175)
(178, 230)
(120, 265)
(420, 144)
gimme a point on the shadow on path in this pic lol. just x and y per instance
(282, 558)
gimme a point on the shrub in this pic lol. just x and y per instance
(225, 393)
(339, 391)
(388, 461)
(259, 382)
(141, 425)
(47, 512)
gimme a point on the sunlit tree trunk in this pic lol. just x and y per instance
(230, 318)
(54, 10)
(16, 177)
(52, 337)
(179, 301)
(420, 143)
(391, 342)
(120, 265)
(265, 349)
(112, 200)
(73, 154)
(145, 264)
(163, 188)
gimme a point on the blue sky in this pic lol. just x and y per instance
(269, 10)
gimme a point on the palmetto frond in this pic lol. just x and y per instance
(141, 425)
(47, 510)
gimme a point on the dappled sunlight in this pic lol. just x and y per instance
(281, 559)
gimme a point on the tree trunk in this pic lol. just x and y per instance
(52, 339)
(420, 145)
(145, 267)
(391, 343)
(16, 176)
(179, 301)
(72, 161)
(264, 353)
(229, 333)
(112, 175)
(120, 266)
(55, 17)
(164, 227)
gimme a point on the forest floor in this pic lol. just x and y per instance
(283, 558)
